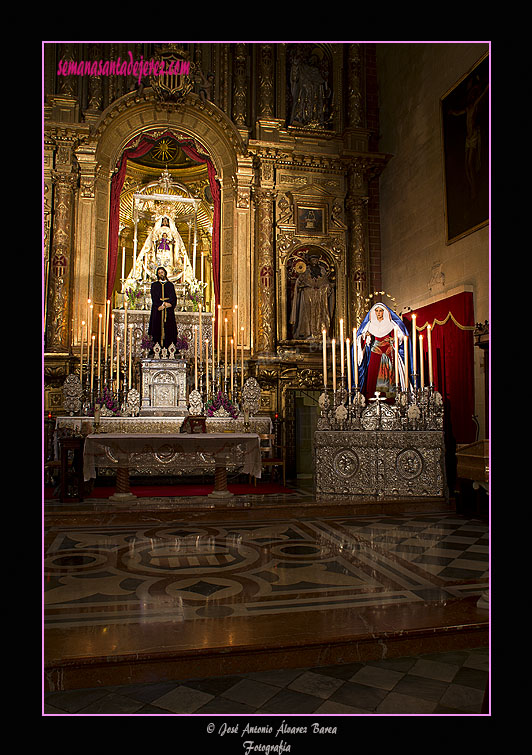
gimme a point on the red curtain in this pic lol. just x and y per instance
(143, 147)
(452, 324)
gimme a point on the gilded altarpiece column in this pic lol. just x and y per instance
(265, 105)
(355, 99)
(243, 255)
(240, 86)
(265, 271)
(48, 161)
(95, 93)
(356, 212)
(84, 237)
(59, 301)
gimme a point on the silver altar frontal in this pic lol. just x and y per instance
(164, 388)
(381, 452)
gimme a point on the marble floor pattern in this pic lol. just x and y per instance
(124, 574)
(106, 576)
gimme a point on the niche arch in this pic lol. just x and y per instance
(296, 262)
(123, 127)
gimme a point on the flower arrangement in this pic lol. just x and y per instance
(195, 293)
(181, 344)
(107, 402)
(146, 343)
(218, 402)
(195, 299)
(133, 295)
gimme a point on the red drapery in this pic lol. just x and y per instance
(142, 148)
(452, 324)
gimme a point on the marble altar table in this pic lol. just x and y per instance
(122, 451)
(84, 426)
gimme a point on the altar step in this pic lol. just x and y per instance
(258, 507)
(132, 654)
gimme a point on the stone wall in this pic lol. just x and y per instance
(418, 265)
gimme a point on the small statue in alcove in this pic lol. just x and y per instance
(313, 298)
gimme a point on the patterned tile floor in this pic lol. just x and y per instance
(112, 576)
(442, 683)
(132, 573)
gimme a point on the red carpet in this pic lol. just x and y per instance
(161, 491)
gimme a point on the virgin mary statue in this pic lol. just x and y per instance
(164, 247)
(376, 339)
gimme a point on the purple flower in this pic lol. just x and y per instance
(221, 401)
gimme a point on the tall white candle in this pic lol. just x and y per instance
(355, 356)
(232, 345)
(93, 339)
(200, 335)
(118, 364)
(348, 352)
(242, 358)
(334, 363)
(111, 353)
(324, 349)
(414, 344)
(129, 385)
(125, 344)
(99, 345)
(207, 364)
(195, 358)
(342, 347)
(123, 265)
(106, 333)
(421, 370)
(213, 373)
(407, 376)
(81, 355)
(429, 349)
(225, 336)
(396, 355)
(219, 332)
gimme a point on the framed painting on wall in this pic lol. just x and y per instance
(466, 152)
(311, 220)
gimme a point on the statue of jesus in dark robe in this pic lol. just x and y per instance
(162, 327)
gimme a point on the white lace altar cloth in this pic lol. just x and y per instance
(189, 451)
